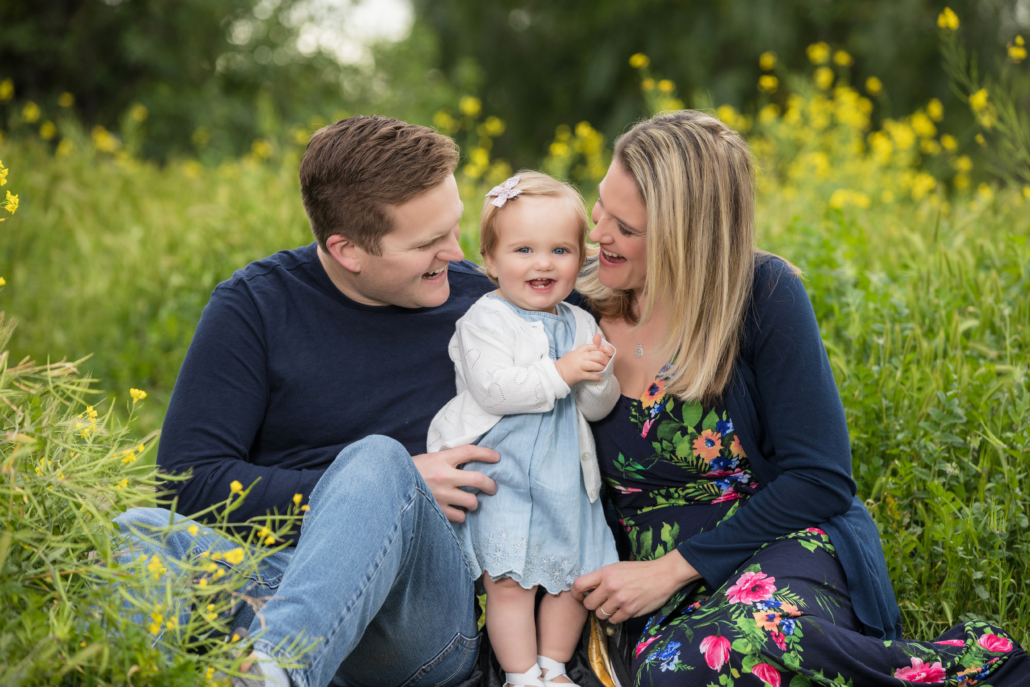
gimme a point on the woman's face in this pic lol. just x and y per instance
(620, 226)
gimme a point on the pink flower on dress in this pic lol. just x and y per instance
(995, 643)
(780, 639)
(643, 645)
(626, 490)
(951, 642)
(646, 428)
(767, 674)
(816, 530)
(716, 650)
(751, 587)
(921, 672)
(728, 496)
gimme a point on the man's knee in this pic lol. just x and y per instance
(376, 464)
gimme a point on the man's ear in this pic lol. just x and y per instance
(348, 255)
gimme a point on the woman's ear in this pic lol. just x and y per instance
(348, 255)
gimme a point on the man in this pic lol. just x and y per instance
(316, 371)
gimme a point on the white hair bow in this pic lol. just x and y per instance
(504, 192)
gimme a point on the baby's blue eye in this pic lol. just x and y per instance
(524, 249)
(560, 251)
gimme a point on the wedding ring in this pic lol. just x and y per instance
(606, 613)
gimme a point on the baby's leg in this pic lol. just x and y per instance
(559, 627)
(509, 623)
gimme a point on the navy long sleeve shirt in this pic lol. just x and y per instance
(284, 372)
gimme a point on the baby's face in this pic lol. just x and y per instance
(536, 260)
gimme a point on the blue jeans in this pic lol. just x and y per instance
(377, 574)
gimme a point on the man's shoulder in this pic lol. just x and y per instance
(469, 272)
(288, 261)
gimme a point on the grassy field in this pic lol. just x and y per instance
(920, 278)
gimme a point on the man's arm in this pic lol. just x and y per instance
(217, 408)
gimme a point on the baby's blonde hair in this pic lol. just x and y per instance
(533, 184)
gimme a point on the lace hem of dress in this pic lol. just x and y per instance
(500, 557)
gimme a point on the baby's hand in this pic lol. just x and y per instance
(582, 364)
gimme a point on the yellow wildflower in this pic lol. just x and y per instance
(768, 83)
(202, 582)
(922, 184)
(65, 147)
(666, 86)
(930, 146)
(11, 204)
(769, 113)
(948, 20)
(935, 110)
(647, 84)
(2, 281)
(30, 113)
(263, 532)
(137, 395)
(444, 123)
(981, 140)
(963, 164)
(6, 90)
(873, 85)
(922, 125)
(767, 60)
(91, 411)
(155, 566)
(48, 130)
(494, 126)
(818, 53)
(985, 192)
(297, 498)
(1017, 52)
(978, 101)
(639, 61)
(139, 112)
(961, 182)
(305, 508)
(219, 574)
(235, 487)
(1026, 192)
(470, 105)
(948, 142)
(193, 530)
(66, 99)
(262, 148)
(3, 174)
(269, 540)
(843, 59)
(234, 556)
(823, 77)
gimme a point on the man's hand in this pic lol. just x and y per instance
(441, 473)
(582, 364)
(633, 588)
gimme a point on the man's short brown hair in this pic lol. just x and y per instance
(355, 168)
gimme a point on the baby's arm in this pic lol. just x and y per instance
(496, 384)
(595, 399)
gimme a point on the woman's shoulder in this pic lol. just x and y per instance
(780, 309)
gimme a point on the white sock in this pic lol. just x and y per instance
(274, 675)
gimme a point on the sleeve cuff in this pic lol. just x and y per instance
(561, 389)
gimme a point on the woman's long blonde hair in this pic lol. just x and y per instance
(696, 178)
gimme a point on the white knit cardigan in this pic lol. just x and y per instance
(502, 368)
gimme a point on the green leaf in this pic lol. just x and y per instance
(711, 420)
(800, 681)
(692, 413)
(742, 646)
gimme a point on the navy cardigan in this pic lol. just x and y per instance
(790, 420)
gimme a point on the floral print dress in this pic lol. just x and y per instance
(675, 469)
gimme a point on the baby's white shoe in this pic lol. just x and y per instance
(526, 679)
(551, 670)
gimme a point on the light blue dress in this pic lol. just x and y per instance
(540, 527)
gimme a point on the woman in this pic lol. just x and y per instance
(727, 458)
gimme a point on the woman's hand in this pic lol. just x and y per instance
(633, 588)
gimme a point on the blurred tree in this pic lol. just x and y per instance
(548, 62)
(214, 75)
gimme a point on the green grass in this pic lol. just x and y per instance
(925, 311)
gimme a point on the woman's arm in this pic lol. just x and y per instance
(806, 434)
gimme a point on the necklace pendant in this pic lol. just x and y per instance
(639, 352)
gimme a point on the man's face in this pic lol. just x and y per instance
(411, 269)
